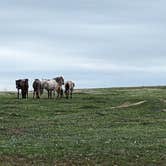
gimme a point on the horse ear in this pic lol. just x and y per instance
(57, 79)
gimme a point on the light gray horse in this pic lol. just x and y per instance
(52, 86)
(49, 86)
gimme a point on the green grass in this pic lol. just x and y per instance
(85, 130)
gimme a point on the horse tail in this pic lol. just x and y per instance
(67, 86)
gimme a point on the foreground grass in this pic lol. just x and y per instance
(86, 130)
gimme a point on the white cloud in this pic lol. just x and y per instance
(109, 68)
(17, 60)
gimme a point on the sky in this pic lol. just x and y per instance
(108, 43)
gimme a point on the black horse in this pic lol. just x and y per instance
(23, 85)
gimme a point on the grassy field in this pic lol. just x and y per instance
(125, 126)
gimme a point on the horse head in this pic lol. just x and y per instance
(59, 80)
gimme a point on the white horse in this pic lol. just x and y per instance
(69, 87)
(51, 85)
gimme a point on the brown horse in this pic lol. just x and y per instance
(59, 89)
(69, 87)
(23, 85)
(37, 88)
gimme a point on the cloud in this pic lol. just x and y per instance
(82, 36)
(13, 59)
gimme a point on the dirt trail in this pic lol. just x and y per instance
(163, 100)
(128, 104)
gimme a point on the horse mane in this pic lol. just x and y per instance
(59, 80)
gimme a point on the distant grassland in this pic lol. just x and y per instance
(118, 126)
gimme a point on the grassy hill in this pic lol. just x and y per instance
(119, 126)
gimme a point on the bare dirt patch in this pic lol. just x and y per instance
(163, 100)
(128, 104)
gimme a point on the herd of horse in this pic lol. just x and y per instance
(52, 86)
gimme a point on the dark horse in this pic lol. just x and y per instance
(37, 88)
(23, 85)
(69, 87)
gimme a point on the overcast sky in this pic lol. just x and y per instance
(95, 43)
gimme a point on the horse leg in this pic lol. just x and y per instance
(38, 94)
(48, 94)
(67, 95)
(61, 93)
(54, 94)
(18, 94)
(58, 92)
(33, 94)
(71, 93)
(57, 95)
(23, 93)
(26, 94)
